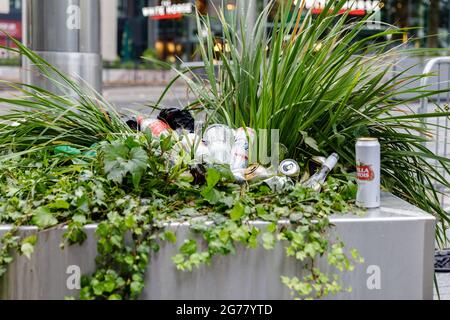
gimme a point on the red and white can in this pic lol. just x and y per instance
(155, 126)
(368, 170)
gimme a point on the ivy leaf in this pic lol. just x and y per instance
(170, 236)
(310, 142)
(137, 165)
(189, 247)
(79, 218)
(27, 250)
(27, 247)
(213, 196)
(120, 160)
(209, 193)
(227, 201)
(237, 212)
(268, 240)
(59, 204)
(113, 151)
(212, 178)
(43, 218)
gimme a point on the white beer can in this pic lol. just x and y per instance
(368, 172)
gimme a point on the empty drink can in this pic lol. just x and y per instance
(289, 168)
(257, 172)
(155, 126)
(280, 184)
(368, 162)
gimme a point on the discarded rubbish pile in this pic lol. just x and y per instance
(222, 146)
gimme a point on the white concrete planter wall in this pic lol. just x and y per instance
(396, 241)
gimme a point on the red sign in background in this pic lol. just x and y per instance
(13, 28)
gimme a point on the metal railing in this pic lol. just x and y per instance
(440, 142)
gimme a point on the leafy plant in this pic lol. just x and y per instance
(46, 189)
(75, 116)
(322, 85)
(121, 159)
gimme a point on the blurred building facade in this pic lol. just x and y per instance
(166, 29)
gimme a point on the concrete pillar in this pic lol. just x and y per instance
(109, 29)
(67, 34)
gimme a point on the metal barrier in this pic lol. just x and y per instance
(440, 143)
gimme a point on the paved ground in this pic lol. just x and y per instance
(136, 98)
(444, 286)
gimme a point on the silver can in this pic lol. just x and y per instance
(280, 184)
(289, 168)
(368, 170)
(257, 172)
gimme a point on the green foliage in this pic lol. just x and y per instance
(45, 189)
(305, 238)
(27, 246)
(123, 158)
(323, 85)
(43, 218)
(75, 116)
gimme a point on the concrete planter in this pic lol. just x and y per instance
(396, 241)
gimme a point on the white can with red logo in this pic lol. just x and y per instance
(368, 170)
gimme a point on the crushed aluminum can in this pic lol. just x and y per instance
(241, 148)
(318, 179)
(289, 168)
(257, 172)
(219, 140)
(279, 184)
(156, 127)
